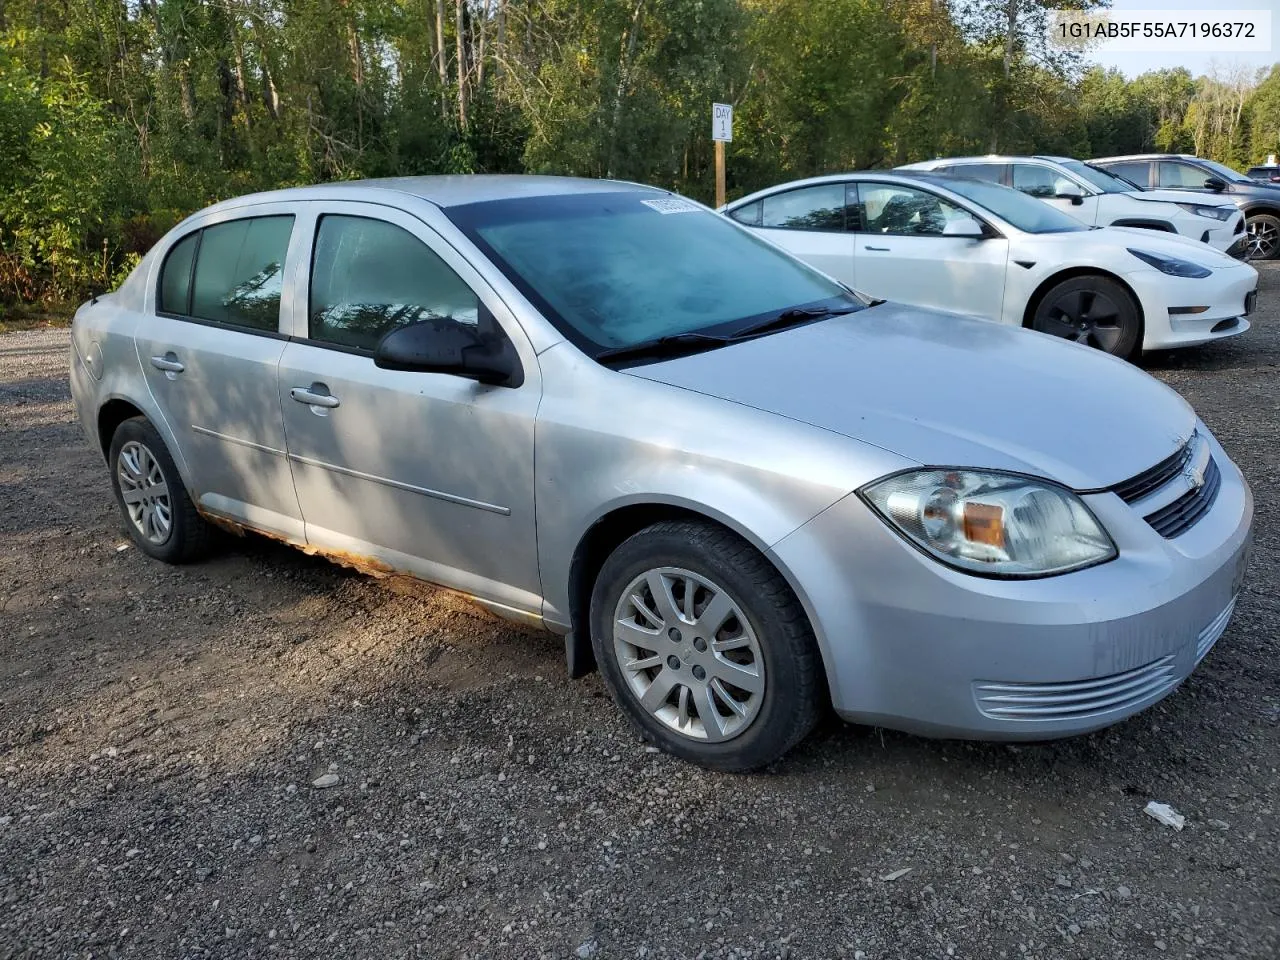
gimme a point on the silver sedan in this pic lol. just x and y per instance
(739, 488)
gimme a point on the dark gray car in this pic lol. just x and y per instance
(1259, 201)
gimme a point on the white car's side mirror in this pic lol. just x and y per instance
(1069, 191)
(964, 226)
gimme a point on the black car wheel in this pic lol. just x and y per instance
(158, 512)
(1093, 311)
(705, 647)
(1264, 236)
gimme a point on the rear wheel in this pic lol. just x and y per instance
(1264, 236)
(1094, 311)
(705, 647)
(158, 512)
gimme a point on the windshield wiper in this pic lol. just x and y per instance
(672, 345)
(684, 344)
(791, 317)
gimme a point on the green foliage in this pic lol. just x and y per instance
(60, 183)
(120, 117)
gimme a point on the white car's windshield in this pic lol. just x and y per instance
(1013, 206)
(613, 270)
(1101, 179)
(1225, 172)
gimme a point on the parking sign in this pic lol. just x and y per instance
(721, 122)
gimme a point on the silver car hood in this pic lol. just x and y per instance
(948, 391)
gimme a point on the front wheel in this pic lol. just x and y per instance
(1264, 236)
(705, 646)
(1094, 311)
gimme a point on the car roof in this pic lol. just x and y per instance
(926, 176)
(1148, 156)
(1001, 158)
(443, 191)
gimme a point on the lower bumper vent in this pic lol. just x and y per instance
(1079, 699)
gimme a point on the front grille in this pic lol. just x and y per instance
(1148, 481)
(1210, 634)
(1180, 516)
(1079, 699)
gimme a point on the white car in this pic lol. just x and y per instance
(987, 251)
(1098, 198)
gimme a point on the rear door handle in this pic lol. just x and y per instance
(879, 249)
(169, 363)
(316, 395)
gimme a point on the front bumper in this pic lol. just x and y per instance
(913, 645)
(1225, 294)
(1226, 236)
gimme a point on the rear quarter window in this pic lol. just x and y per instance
(174, 295)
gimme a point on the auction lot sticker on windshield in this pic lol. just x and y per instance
(1154, 31)
(672, 205)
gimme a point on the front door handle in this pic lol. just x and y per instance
(879, 249)
(316, 395)
(169, 363)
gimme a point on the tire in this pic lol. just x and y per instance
(760, 637)
(1092, 310)
(1263, 230)
(139, 460)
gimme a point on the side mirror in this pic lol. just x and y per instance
(965, 226)
(444, 345)
(1070, 192)
(1216, 184)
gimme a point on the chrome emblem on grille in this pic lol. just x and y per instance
(1195, 474)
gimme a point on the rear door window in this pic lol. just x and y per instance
(989, 172)
(820, 207)
(1135, 171)
(239, 272)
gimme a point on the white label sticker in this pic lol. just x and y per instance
(672, 205)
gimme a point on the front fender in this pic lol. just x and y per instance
(756, 473)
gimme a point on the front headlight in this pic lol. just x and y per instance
(995, 524)
(1200, 210)
(1171, 265)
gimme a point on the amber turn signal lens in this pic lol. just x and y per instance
(984, 523)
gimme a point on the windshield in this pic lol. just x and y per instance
(612, 270)
(1099, 178)
(1225, 172)
(1013, 206)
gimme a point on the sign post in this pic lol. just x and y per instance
(721, 133)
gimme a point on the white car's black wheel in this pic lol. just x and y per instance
(705, 646)
(1094, 311)
(1264, 236)
(158, 512)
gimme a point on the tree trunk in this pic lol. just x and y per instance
(1002, 91)
(461, 8)
(481, 31)
(933, 38)
(502, 36)
(1010, 34)
(626, 50)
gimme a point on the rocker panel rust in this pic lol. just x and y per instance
(373, 567)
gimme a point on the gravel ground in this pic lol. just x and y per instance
(161, 729)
